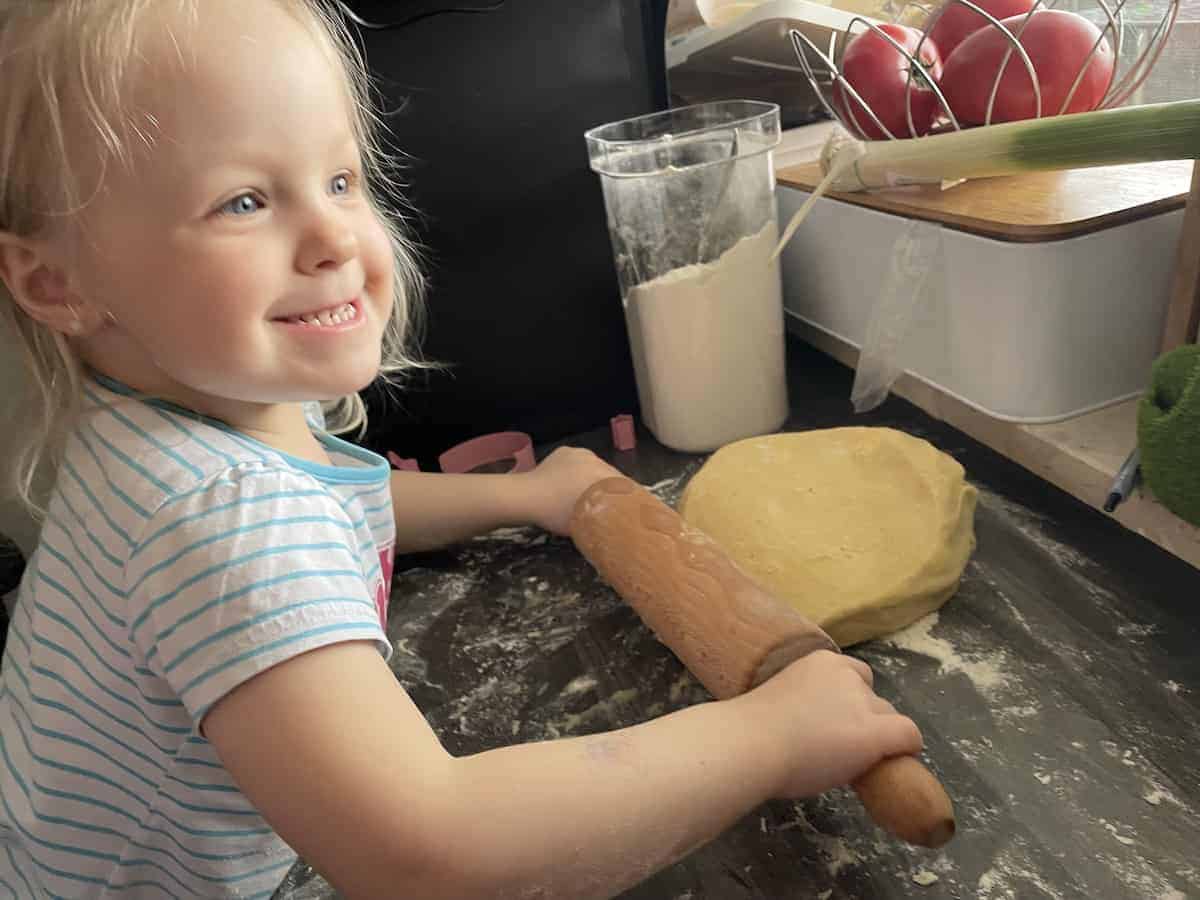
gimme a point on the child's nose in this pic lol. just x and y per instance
(328, 244)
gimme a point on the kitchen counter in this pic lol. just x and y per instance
(1058, 691)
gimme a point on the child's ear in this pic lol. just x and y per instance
(40, 286)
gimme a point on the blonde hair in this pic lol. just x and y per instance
(62, 59)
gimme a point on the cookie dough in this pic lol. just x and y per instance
(863, 530)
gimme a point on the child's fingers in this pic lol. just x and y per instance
(863, 670)
(882, 707)
(901, 735)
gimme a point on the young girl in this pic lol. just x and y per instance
(195, 685)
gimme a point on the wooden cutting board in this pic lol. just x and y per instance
(1039, 206)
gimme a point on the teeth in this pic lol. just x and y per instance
(345, 313)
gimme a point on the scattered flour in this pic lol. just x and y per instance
(602, 714)
(840, 855)
(1141, 878)
(1010, 877)
(1158, 794)
(990, 885)
(924, 878)
(1114, 830)
(837, 851)
(1033, 525)
(579, 685)
(1027, 711)
(985, 671)
(1174, 687)
(518, 535)
(1133, 629)
(669, 489)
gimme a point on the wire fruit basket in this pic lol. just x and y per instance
(1009, 52)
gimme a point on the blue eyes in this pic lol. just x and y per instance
(250, 202)
(241, 205)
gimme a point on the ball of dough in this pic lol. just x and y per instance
(863, 530)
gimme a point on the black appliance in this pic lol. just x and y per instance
(524, 309)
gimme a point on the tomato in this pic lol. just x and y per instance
(879, 73)
(1057, 43)
(958, 21)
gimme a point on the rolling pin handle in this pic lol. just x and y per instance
(905, 798)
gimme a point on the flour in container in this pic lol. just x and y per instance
(708, 347)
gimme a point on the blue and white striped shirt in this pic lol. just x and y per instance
(178, 559)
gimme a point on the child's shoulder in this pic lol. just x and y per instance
(143, 455)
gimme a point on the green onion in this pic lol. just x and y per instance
(1131, 134)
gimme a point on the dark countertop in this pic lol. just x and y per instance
(1058, 691)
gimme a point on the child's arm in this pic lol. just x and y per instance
(436, 509)
(341, 763)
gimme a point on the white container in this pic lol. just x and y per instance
(689, 197)
(1029, 332)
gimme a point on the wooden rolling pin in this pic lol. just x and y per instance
(729, 632)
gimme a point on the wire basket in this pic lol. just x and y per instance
(1136, 50)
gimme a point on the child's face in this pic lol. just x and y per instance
(246, 213)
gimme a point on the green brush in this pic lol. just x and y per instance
(1169, 432)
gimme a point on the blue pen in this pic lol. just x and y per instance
(1124, 483)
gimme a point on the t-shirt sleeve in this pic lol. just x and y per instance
(242, 573)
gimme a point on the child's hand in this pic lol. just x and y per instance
(828, 725)
(558, 481)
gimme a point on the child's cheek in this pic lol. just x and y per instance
(377, 253)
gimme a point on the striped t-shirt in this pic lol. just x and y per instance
(179, 559)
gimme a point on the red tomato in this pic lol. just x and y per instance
(879, 73)
(958, 21)
(1057, 43)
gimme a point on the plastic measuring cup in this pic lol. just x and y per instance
(690, 200)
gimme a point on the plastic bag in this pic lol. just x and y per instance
(915, 283)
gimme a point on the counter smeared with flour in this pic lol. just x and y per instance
(707, 343)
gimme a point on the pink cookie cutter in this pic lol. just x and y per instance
(404, 465)
(488, 449)
(624, 437)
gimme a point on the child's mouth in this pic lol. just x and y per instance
(330, 317)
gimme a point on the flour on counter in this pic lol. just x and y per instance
(520, 534)
(579, 685)
(985, 671)
(1115, 831)
(1009, 878)
(669, 489)
(708, 347)
(1033, 526)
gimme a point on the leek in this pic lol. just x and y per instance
(1131, 134)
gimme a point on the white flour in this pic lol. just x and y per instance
(986, 670)
(707, 343)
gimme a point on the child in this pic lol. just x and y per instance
(195, 685)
